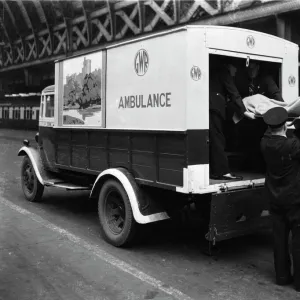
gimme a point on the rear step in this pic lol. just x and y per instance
(66, 185)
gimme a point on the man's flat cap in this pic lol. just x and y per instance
(232, 60)
(276, 116)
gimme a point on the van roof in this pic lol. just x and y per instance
(49, 89)
(172, 30)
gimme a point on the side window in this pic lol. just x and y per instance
(49, 106)
(16, 113)
(28, 113)
(5, 113)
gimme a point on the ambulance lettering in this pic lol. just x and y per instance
(139, 101)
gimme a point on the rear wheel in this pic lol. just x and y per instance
(32, 188)
(116, 218)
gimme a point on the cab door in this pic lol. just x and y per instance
(46, 131)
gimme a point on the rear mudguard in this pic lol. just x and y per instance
(145, 210)
(35, 159)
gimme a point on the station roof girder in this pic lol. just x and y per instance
(39, 31)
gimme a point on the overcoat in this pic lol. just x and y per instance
(282, 157)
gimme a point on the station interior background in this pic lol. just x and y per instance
(47, 30)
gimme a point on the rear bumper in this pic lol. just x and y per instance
(227, 186)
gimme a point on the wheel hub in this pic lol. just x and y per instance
(28, 178)
(115, 212)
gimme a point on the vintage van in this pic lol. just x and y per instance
(130, 123)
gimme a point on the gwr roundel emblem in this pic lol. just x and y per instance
(250, 41)
(195, 73)
(292, 80)
(141, 62)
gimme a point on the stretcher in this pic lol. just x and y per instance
(257, 105)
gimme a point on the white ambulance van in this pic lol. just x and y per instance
(130, 122)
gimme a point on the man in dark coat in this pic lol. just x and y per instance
(255, 81)
(282, 183)
(222, 92)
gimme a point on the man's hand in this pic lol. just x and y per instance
(296, 123)
(249, 115)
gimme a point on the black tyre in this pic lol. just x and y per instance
(32, 188)
(118, 225)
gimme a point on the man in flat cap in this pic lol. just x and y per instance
(282, 184)
(256, 81)
(222, 93)
(255, 78)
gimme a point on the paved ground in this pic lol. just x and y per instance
(17, 135)
(52, 250)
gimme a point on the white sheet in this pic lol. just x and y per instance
(258, 104)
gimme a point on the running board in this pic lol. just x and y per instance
(66, 185)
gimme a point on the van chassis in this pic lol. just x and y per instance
(149, 162)
(124, 202)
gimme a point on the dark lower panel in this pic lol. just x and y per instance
(79, 157)
(144, 172)
(47, 147)
(62, 136)
(143, 142)
(97, 138)
(63, 154)
(119, 158)
(143, 158)
(173, 177)
(144, 165)
(98, 159)
(171, 144)
(152, 156)
(171, 162)
(197, 144)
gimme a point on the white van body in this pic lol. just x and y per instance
(174, 66)
(137, 112)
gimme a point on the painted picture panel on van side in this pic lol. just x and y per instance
(82, 90)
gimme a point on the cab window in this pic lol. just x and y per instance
(42, 106)
(49, 106)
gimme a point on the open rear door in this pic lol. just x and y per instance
(237, 213)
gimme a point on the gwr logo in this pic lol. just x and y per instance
(195, 73)
(292, 80)
(141, 62)
(250, 41)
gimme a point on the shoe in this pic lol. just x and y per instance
(216, 177)
(231, 176)
(284, 281)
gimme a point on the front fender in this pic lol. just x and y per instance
(133, 191)
(35, 159)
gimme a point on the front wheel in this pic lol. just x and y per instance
(118, 226)
(32, 188)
